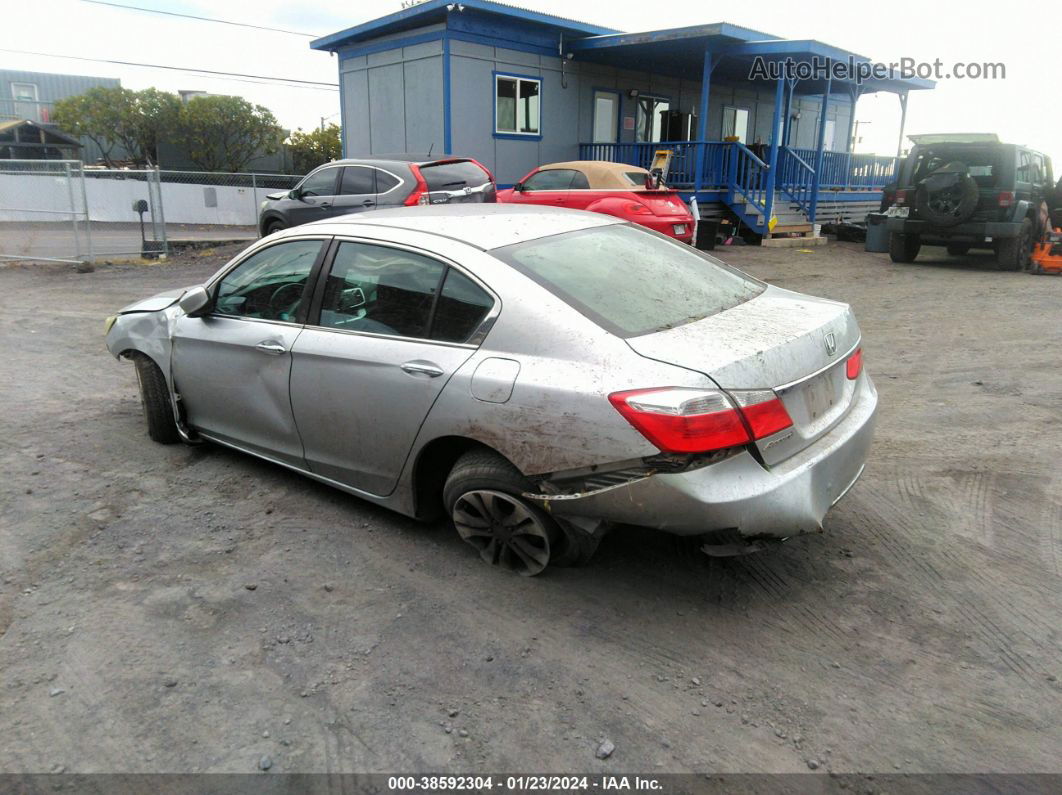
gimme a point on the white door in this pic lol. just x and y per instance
(827, 138)
(606, 117)
(736, 123)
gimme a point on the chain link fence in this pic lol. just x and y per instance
(63, 211)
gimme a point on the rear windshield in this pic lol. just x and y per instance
(982, 162)
(629, 281)
(453, 176)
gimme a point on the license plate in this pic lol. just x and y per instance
(818, 396)
(898, 212)
(680, 229)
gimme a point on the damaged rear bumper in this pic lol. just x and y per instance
(789, 498)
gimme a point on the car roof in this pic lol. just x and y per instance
(485, 226)
(403, 158)
(602, 175)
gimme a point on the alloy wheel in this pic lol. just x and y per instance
(504, 530)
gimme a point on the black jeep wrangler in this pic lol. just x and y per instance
(970, 191)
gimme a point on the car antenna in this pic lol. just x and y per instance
(430, 148)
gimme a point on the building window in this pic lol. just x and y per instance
(517, 110)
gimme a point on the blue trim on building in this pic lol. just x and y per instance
(447, 128)
(494, 75)
(437, 11)
(394, 44)
(508, 44)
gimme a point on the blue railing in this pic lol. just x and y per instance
(748, 178)
(795, 178)
(840, 170)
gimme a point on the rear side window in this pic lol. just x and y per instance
(628, 281)
(385, 181)
(580, 182)
(453, 175)
(357, 180)
(380, 290)
(461, 307)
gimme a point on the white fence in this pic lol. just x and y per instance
(36, 197)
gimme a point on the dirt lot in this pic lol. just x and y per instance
(192, 609)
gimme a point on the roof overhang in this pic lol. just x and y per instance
(436, 11)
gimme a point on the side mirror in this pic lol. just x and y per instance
(295, 193)
(518, 187)
(195, 302)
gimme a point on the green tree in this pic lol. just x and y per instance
(312, 149)
(96, 114)
(222, 133)
(135, 121)
(147, 118)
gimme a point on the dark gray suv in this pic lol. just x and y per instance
(971, 191)
(353, 186)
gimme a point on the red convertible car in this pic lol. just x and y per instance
(624, 191)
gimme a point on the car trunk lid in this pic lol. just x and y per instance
(792, 343)
(665, 203)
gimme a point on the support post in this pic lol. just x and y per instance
(903, 122)
(702, 120)
(819, 144)
(787, 124)
(854, 93)
(447, 129)
(772, 161)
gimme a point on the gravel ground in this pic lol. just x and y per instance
(188, 609)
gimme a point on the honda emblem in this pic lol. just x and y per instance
(830, 341)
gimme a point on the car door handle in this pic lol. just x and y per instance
(422, 368)
(368, 203)
(324, 205)
(271, 347)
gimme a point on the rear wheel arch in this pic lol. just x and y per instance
(431, 468)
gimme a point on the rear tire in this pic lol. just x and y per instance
(1013, 253)
(904, 247)
(958, 249)
(155, 398)
(483, 495)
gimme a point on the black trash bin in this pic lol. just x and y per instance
(706, 232)
(877, 233)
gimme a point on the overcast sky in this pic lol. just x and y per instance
(1023, 108)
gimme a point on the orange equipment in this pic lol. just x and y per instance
(1047, 253)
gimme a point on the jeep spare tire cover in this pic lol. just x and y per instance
(948, 196)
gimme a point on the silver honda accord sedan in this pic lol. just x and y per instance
(536, 375)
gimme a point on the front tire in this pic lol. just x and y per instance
(1013, 253)
(155, 398)
(274, 225)
(904, 247)
(483, 496)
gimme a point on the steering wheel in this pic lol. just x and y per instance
(275, 306)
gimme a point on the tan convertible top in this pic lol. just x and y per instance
(605, 176)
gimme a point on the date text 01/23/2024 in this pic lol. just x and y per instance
(526, 783)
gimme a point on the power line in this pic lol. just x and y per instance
(202, 19)
(290, 81)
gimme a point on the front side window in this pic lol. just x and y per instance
(380, 290)
(551, 179)
(269, 284)
(322, 183)
(629, 281)
(517, 107)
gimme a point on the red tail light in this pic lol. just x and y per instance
(420, 192)
(854, 365)
(679, 420)
(637, 208)
(1005, 198)
(901, 197)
